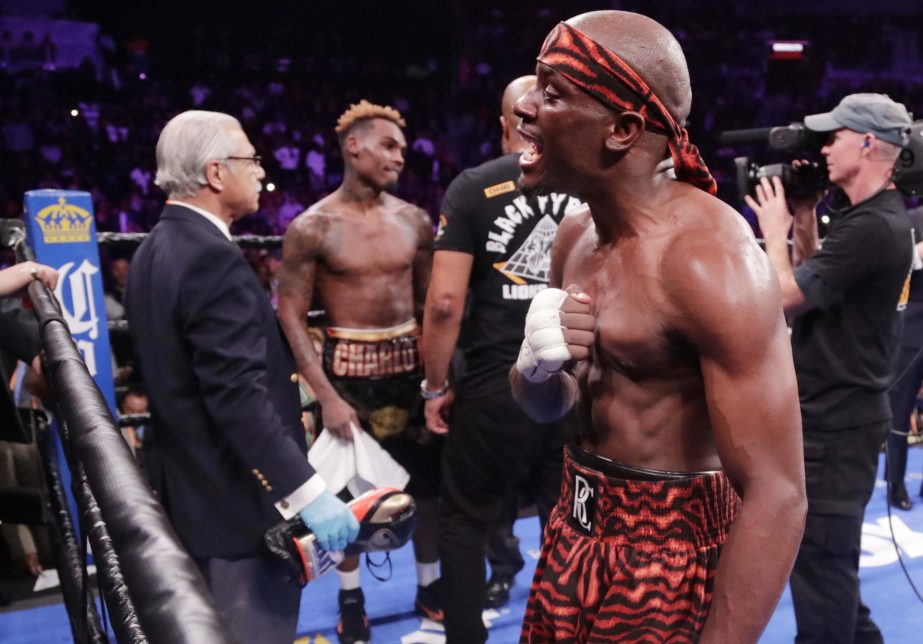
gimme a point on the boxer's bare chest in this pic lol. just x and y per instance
(377, 243)
(634, 319)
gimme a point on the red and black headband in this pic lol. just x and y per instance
(609, 79)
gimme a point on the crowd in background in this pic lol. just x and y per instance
(94, 128)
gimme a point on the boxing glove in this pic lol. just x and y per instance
(387, 518)
(544, 350)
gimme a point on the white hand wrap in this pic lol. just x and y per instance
(544, 350)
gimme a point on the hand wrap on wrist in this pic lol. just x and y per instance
(544, 350)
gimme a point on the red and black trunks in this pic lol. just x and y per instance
(627, 557)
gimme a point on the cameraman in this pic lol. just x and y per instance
(845, 299)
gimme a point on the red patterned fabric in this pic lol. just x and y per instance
(608, 78)
(644, 571)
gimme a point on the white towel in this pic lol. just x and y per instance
(359, 465)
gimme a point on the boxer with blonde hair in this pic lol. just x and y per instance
(365, 256)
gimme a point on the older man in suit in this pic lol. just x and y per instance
(227, 449)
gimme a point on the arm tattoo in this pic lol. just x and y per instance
(304, 245)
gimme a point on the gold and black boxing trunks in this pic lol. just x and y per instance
(378, 372)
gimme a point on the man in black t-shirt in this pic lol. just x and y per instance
(495, 244)
(846, 297)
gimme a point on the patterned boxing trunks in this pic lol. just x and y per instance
(628, 557)
(378, 372)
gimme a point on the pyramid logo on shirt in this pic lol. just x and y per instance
(532, 260)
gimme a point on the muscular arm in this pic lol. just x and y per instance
(301, 249)
(729, 307)
(445, 304)
(552, 399)
(805, 238)
(422, 262)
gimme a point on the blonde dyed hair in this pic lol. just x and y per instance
(365, 111)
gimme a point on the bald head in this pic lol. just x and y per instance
(649, 48)
(511, 141)
(512, 93)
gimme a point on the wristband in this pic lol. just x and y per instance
(428, 394)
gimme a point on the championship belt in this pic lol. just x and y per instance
(386, 518)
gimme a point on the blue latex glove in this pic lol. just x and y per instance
(332, 523)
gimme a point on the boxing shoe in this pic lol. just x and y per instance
(498, 590)
(353, 627)
(429, 601)
(899, 498)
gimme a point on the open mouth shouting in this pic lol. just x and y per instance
(531, 157)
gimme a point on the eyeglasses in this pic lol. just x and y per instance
(256, 159)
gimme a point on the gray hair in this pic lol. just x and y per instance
(187, 143)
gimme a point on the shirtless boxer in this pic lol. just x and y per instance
(366, 255)
(670, 341)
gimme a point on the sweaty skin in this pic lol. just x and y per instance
(642, 396)
(367, 255)
(363, 252)
(360, 264)
(689, 366)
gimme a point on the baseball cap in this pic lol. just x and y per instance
(875, 113)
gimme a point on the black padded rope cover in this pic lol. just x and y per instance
(130, 240)
(118, 598)
(84, 619)
(70, 560)
(164, 584)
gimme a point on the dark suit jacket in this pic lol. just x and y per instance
(226, 440)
